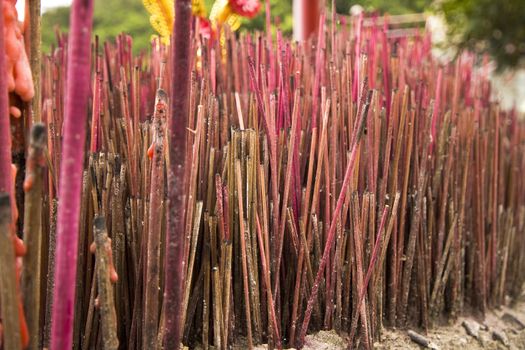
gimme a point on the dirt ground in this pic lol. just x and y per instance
(503, 328)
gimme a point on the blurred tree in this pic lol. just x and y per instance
(488, 26)
(282, 10)
(393, 7)
(52, 20)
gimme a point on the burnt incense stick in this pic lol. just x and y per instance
(242, 232)
(31, 275)
(275, 325)
(153, 264)
(105, 289)
(338, 208)
(35, 54)
(8, 293)
(355, 317)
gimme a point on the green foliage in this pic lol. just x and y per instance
(111, 17)
(392, 7)
(488, 26)
(281, 11)
(52, 20)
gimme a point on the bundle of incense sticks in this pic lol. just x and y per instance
(350, 182)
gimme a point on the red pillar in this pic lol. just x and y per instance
(305, 18)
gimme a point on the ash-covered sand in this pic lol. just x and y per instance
(444, 337)
(455, 336)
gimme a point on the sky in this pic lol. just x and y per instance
(46, 4)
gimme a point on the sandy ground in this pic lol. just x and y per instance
(507, 324)
(503, 323)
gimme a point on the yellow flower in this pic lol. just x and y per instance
(161, 14)
(161, 17)
(221, 13)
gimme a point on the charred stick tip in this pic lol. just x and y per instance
(4, 201)
(38, 135)
(99, 223)
(5, 208)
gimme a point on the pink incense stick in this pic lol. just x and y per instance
(75, 118)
